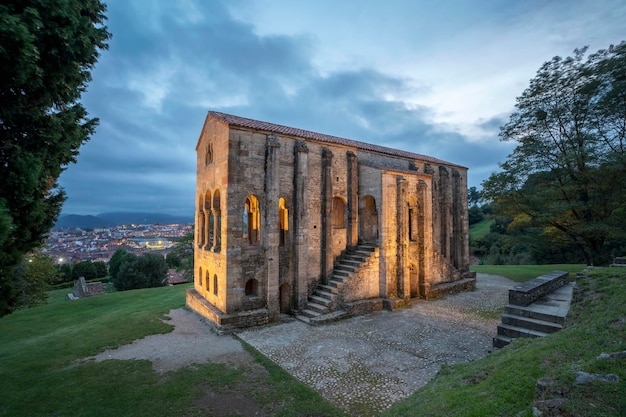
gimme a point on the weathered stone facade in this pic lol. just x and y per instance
(277, 208)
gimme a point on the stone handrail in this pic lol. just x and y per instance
(530, 291)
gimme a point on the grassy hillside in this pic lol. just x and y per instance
(503, 383)
(41, 372)
(480, 229)
(522, 273)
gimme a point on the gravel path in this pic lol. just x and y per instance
(362, 364)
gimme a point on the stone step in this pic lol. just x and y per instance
(328, 289)
(514, 331)
(320, 300)
(501, 341)
(356, 257)
(348, 269)
(349, 262)
(531, 324)
(336, 283)
(326, 294)
(340, 277)
(310, 313)
(314, 306)
(533, 313)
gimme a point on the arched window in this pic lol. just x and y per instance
(252, 220)
(200, 222)
(215, 284)
(283, 221)
(206, 281)
(200, 276)
(339, 212)
(206, 211)
(208, 157)
(252, 287)
(412, 219)
(217, 219)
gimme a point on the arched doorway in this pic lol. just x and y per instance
(369, 219)
(285, 298)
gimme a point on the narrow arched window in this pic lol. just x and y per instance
(283, 222)
(215, 284)
(252, 220)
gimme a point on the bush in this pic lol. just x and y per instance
(145, 271)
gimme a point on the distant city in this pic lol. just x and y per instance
(70, 243)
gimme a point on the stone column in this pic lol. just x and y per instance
(300, 179)
(421, 237)
(353, 200)
(444, 209)
(216, 230)
(403, 287)
(327, 215)
(270, 234)
(206, 245)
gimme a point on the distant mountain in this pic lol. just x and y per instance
(112, 219)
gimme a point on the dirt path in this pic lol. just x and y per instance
(363, 364)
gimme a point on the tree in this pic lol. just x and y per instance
(566, 173)
(182, 252)
(116, 261)
(83, 269)
(145, 271)
(47, 50)
(474, 197)
(34, 275)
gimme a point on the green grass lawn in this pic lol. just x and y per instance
(503, 383)
(41, 372)
(521, 273)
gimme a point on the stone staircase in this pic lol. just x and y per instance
(323, 305)
(536, 308)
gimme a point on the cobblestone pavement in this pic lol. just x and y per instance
(365, 364)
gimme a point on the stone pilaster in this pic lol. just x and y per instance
(271, 234)
(327, 215)
(301, 154)
(207, 220)
(353, 199)
(403, 285)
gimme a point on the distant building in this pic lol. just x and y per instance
(293, 221)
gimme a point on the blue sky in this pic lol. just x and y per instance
(432, 77)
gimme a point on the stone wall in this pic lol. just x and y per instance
(413, 211)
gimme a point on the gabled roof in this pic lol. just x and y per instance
(244, 122)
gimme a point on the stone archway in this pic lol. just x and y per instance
(285, 298)
(369, 219)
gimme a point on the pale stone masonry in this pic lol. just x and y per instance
(279, 210)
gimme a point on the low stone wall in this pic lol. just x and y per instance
(225, 323)
(454, 287)
(530, 291)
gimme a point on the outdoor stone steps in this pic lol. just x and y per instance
(323, 298)
(536, 308)
(322, 304)
(329, 288)
(310, 313)
(531, 324)
(336, 283)
(531, 313)
(515, 331)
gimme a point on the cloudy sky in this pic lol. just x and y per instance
(431, 77)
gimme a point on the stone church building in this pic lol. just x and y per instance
(320, 227)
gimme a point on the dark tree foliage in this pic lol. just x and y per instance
(116, 261)
(181, 256)
(566, 175)
(47, 50)
(83, 269)
(145, 271)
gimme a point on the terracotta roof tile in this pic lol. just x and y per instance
(306, 134)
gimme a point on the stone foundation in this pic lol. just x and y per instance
(222, 322)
